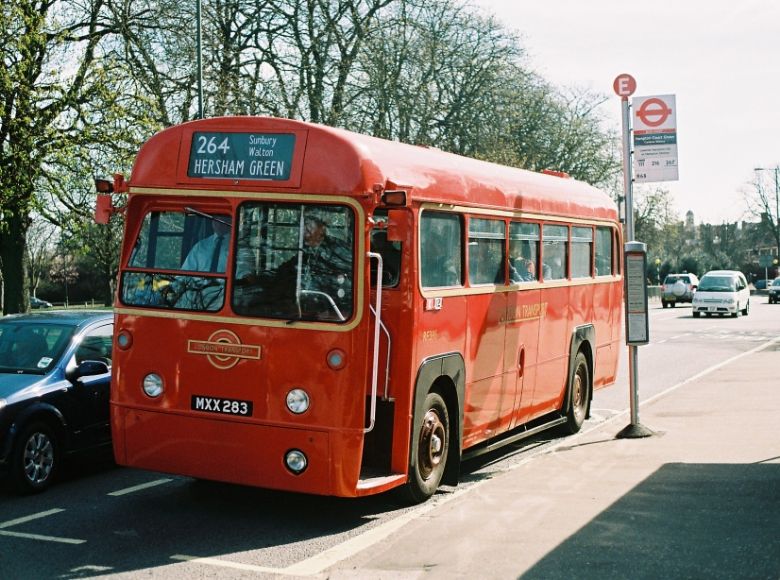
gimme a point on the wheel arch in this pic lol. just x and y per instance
(583, 339)
(446, 375)
(44, 412)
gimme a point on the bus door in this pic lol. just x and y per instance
(523, 313)
(554, 325)
(485, 331)
(606, 299)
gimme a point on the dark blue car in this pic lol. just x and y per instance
(55, 374)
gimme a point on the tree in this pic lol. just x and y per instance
(52, 53)
(40, 251)
(763, 202)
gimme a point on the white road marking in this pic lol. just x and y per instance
(42, 538)
(25, 519)
(139, 487)
(227, 564)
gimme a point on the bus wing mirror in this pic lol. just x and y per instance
(397, 225)
(103, 208)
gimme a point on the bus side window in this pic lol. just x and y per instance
(486, 251)
(555, 240)
(581, 251)
(603, 251)
(441, 249)
(523, 252)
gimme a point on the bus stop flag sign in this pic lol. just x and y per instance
(655, 138)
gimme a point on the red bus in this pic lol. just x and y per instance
(309, 309)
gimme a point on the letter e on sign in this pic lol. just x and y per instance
(624, 85)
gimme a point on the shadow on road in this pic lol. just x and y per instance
(684, 521)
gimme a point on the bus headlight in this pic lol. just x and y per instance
(296, 461)
(298, 401)
(153, 385)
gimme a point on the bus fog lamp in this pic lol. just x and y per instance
(153, 385)
(298, 401)
(296, 461)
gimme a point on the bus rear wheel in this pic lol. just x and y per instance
(433, 441)
(579, 397)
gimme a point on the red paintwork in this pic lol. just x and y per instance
(490, 329)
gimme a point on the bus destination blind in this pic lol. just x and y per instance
(265, 156)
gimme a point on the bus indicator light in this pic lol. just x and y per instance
(124, 339)
(337, 358)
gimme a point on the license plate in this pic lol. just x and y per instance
(221, 405)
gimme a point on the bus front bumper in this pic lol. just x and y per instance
(238, 452)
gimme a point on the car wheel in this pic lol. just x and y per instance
(696, 314)
(673, 304)
(746, 310)
(35, 458)
(736, 312)
(708, 314)
(433, 441)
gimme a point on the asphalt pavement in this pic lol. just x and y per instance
(700, 498)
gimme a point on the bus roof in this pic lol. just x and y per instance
(326, 160)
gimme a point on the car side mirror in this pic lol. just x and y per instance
(87, 368)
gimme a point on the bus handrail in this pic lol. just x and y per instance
(377, 323)
(387, 358)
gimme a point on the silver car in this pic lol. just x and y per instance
(678, 288)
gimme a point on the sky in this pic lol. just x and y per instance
(720, 58)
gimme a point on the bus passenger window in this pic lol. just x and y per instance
(603, 251)
(581, 251)
(523, 252)
(555, 240)
(486, 251)
(440, 249)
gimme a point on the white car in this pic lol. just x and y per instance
(722, 292)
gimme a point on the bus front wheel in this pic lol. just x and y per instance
(579, 398)
(433, 440)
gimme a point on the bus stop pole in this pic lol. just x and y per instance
(635, 289)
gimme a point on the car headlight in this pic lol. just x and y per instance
(3, 403)
(729, 301)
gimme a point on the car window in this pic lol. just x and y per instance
(31, 348)
(96, 345)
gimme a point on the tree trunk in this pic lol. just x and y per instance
(12, 257)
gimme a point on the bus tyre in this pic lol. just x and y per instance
(579, 397)
(35, 458)
(433, 441)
